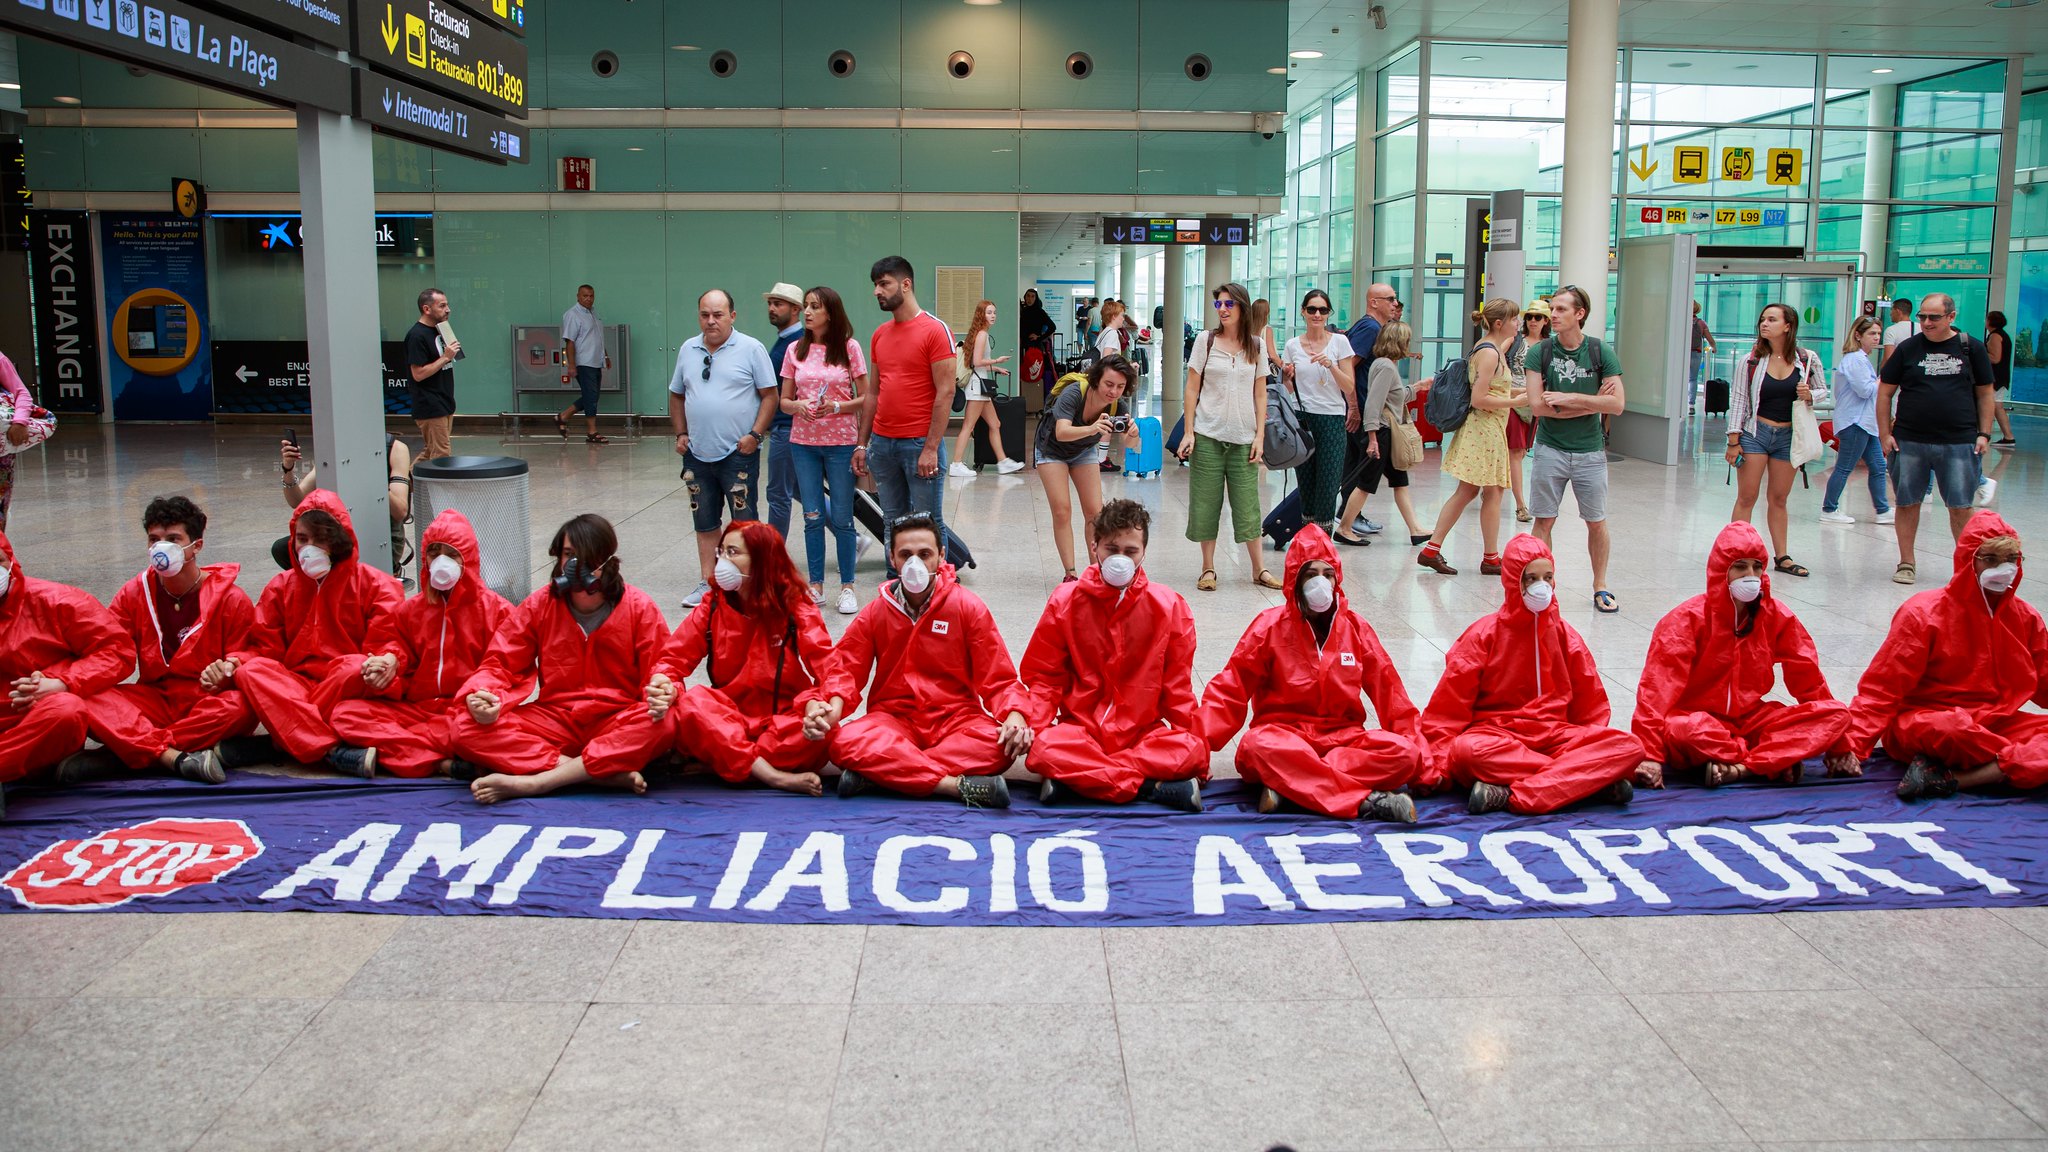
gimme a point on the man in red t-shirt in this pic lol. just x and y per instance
(902, 438)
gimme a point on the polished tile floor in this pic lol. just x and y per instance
(1841, 1030)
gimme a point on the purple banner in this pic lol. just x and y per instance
(702, 852)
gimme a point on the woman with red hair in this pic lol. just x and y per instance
(760, 637)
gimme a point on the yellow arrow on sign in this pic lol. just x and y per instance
(390, 33)
(1637, 167)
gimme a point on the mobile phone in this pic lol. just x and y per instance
(291, 438)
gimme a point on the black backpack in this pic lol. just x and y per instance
(1450, 396)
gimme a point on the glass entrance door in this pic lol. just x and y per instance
(1732, 296)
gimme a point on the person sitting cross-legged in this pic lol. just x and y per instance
(941, 675)
(58, 648)
(1109, 679)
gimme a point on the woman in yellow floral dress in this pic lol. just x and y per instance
(1478, 454)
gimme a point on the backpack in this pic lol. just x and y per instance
(1288, 444)
(1060, 385)
(1450, 397)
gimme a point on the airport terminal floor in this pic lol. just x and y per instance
(1840, 1030)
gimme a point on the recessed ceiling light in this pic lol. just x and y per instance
(2014, 3)
(69, 100)
(635, 148)
(1306, 54)
(1276, 71)
(685, 48)
(1880, 71)
(1471, 59)
(983, 3)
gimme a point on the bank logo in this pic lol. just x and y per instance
(153, 858)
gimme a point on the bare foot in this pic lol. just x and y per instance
(1844, 765)
(1649, 774)
(802, 783)
(1719, 774)
(499, 786)
(631, 781)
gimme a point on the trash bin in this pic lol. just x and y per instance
(492, 492)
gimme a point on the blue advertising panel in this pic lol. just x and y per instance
(153, 269)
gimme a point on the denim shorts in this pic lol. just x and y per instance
(719, 486)
(1095, 455)
(1770, 442)
(1954, 467)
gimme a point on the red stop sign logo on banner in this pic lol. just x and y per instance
(153, 858)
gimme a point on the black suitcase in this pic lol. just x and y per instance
(1284, 520)
(1010, 410)
(867, 512)
(1717, 397)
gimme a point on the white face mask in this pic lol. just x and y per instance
(166, 558)
(2000, 578)
(1119, 570)
(315, 562)
(728, 575)
(444, 572)
(6, 575)
(1318, 593)
(1745, 589)
(916, 577)
(1537, 597)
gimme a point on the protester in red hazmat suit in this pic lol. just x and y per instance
(759, 636)
(1113, 662)
(401, 712)
(592, 640)
(58, 647)
(1305, 670)
(1945, 690)
(1700, 706)
(1520, 716)
(941, 675)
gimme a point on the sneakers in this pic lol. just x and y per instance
(1008, 467)
(202, 767)
(1620, 792)
(244, 751)
(852, 783)
(1885, 517)
(353, 761)
(1837, 517)
(861, 544)
(984, 791)
(80, 767)
(1486, 798)
(1365, 527)
(464, 772)
(1926, 780)
(1179, 795)
(1987, 491)
(697, 594)
(849, 603)
(1050, 791)
(1393, 807)
(961, 471)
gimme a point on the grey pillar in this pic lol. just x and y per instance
(1875, 234)
(1172, 375)
(1588, 152)
(337, 195)
(1215, 267)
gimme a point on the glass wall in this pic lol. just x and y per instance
(2026, 283)
(1309, 244)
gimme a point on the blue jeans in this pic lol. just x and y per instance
(1855, 444)
(817, 466)
(781, 479)
(715, 486)
(587, 380)
(898, 487)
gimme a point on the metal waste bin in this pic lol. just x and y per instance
(492, 492)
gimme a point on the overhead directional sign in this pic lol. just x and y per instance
(445, 48)
(413, 112)
(322, 21)
(507, 14)
(184, 40)
(1235, 230)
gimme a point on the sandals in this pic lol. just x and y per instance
(1785, 564)
(594, 438)
(1522, 516)
(1605, 602)
(1207, 582)
(561, 428)
(1266, 579)
(1905, 574)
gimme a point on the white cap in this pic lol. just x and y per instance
(789, 292)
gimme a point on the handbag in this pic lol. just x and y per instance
(1806, 441)
(41, 423)
(1407, 450)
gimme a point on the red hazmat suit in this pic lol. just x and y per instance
(1701, 699)
(166, 707)
(1521, 704)
(587, 683)
(749, 712)
(438, 645)
(1308, 739)
(1115, 668)
(61, 632)
(307, 643)
(942, 683)
(1957, 701)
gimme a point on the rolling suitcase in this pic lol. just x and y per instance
(867, 513)
(1717, 397)
(1010, 410)
(1284, 520)
(1150, 455)
(1173, 438)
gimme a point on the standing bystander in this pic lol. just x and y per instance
(583, 363)
(1941, 381)
(1898, 330)
(432, 362)
(724, 388)
(786, 313)
(902, 436)
(1573, 380)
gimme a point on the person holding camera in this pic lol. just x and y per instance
(1070, 446)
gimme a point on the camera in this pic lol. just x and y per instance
(1120, 424)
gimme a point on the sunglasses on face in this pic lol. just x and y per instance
(1220, 305)
(1931, 317)
(1312, 310)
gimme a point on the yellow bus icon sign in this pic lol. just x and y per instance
(1689, 165)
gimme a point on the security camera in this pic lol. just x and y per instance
(1379, 17)
(1266, 124)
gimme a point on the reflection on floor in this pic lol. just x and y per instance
(284, 1030)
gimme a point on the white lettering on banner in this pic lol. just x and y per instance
(366, 844)
(553, 844)
(1604, 845)
(624, 892)
(738, 870)
(1002, 873)
(1094, 872)
(1797, 887)
(1494, 846)
(441, 845)
(889, 868)
(1307, 878)
(1211, 854)
(826, 850)
(1829, 860)
(1915, 836)
(1426, 875)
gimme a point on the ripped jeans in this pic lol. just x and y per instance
(736, 476)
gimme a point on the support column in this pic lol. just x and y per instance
(1127, 277)
(1215, 267)
(1875, 235)
(1595, 29)
(1173, 376)
(337, 197)
(1105, 273)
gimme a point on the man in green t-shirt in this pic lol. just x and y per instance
(1574, 380)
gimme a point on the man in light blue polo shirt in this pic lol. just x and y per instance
(721, 402)
(583, 362)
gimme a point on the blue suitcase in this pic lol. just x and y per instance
(1283, 521)
(1149, 456)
